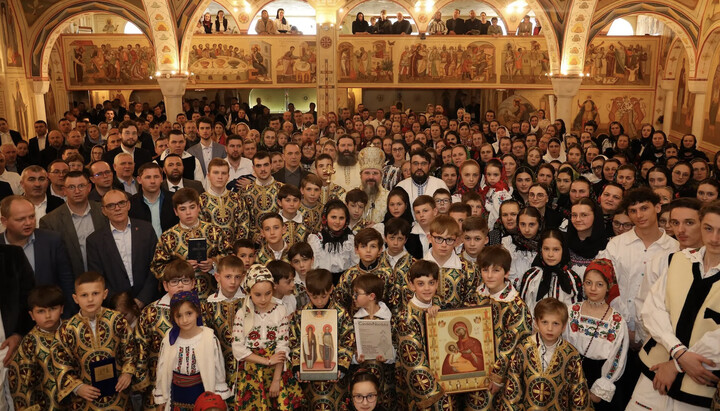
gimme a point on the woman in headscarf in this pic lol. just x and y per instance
(586, 234)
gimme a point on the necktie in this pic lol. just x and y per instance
(175, 188)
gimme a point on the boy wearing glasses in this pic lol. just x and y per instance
(154, 322)
(456, 275)
(442, 201)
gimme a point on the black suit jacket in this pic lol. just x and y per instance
(141, 211)
(5, 189)
(103, 256)
(187, 183)
(48, 155)
(52, 265)
(140, 156)
(16, 137)
(17, 281)
(34, 149)
(414, 246)
(53, 202)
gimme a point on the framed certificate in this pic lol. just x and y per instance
(461, 348)
(318, 345)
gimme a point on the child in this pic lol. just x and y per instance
(523, 243)
(367, 296)
(324, 170)
(551, 274)
(288, 199)
(457, 277)
(396, 257)
(191, 360)
(475, 237)
(260, 343)
(368, 246)
(459, 212)
(511, 319)
(425, 211)
(153, 324)
(417, 388)
(301, 258)
(324, 394)
(356, 200)
(173, 243)
(284, 278)
(475, 201)
(365, 391)
(333, 245)
(495, 190)
(600, 333)
(244, 249)
(31, 374)
(94, 334)
(274, 246)
(126, 305)
(442, 200)
(220, 308)
(470, 179)
(219, 206)
(545, 371)
(310, 206)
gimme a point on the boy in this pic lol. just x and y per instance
(368, 246)
(459, 212)
(457, 277)
(324, 170)
(475, 201)
(288, 199)
(94, 334)
(442, 200)
(310, 206)
(222, 207)
(396, 257)
(302, 259)
(220, 308)
(425, 212)
(356, 200)
(417, 386)
(173, 243)
(545, 371)
(511, 324)
(31, 373)
(244, 249)
(274, 246)
(284, 278)
(154, 322)
(368, 295)
(277, 161)
(475, 237)
(324, 394)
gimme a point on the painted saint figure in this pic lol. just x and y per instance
(328, 346)
(310, 347)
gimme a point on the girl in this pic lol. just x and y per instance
(261, 345)
(126, 304)
(510, 163)
(207, 23)
(586, 234)
(700, 168)
(546, 174)
(281, 23)
(534, 157)
(644, 138)
(708, 190)
(645, 167)
(97, 152)
(538, 197)
(658, 176)
(574, 158)
(191, 360)
(219, 132)
(398, 206)
(600, 334)
(523, 244)
(221, 23)
(495, 191)
(333, 246)
(680, 179)
(469, 179)
(364, 392)
(551, 274)
(688, 149)
(522, 180)
(563, 181)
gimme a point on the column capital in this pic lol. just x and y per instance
(667, 84)
(697, 86)
(40, 86)
(566, 86)
(172, 86)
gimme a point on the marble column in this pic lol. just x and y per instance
(699, 88)
(565, 88)
(173, 90)
(40, 88)
(327, 44)
(667, 86)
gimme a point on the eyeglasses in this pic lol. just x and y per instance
(119, 204)
(626, 226)
(103, 173)
(440, 240)
(77, 187)
(443, 201)
(372, 397)
(177, 281)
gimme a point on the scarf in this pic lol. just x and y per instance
(605, 267)
(461, 188)
(596, 242)
(499, 186)
(177, 299)
(334, 239)
(558, 270)
(525, 244)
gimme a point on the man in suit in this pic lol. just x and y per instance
(76, 220)
(122, 250)
(292, 173)
(152, 203)
(7, 135)
(44, 249)
(51, 152)
(207, 149)
(129, 138)
(38, 143)
(174, 169)
(34, 181)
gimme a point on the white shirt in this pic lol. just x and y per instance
(244, 168)
(218, 296)
(42, 140)
(199, 175)
(206, 153)
(298, 218)
(40, 211)
(13, 179)
(393, 260)
(123, 241)
(431, 185)
(453, 262)
(6, 138)
(630, 258)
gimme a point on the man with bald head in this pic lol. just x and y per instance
(34, 181)
(124, 167)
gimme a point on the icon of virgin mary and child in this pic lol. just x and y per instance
(465, 355)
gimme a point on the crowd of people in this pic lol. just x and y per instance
(160, 263)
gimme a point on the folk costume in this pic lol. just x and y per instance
(81, 341)
(312, 216)
(173, 244)
(333, 250)
(400, 266)
(295, 230)
(227, 211)
(523, 252)
(344, 291)
(266, 254)
(260, 199)
(457, 280)
(154, 322)
(558, 281)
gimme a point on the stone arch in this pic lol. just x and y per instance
(707, 51)
(674, 55)
(54, 24)
(164, 35)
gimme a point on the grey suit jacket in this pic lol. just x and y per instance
(194, 184)
(218, 151)
(60, 220)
